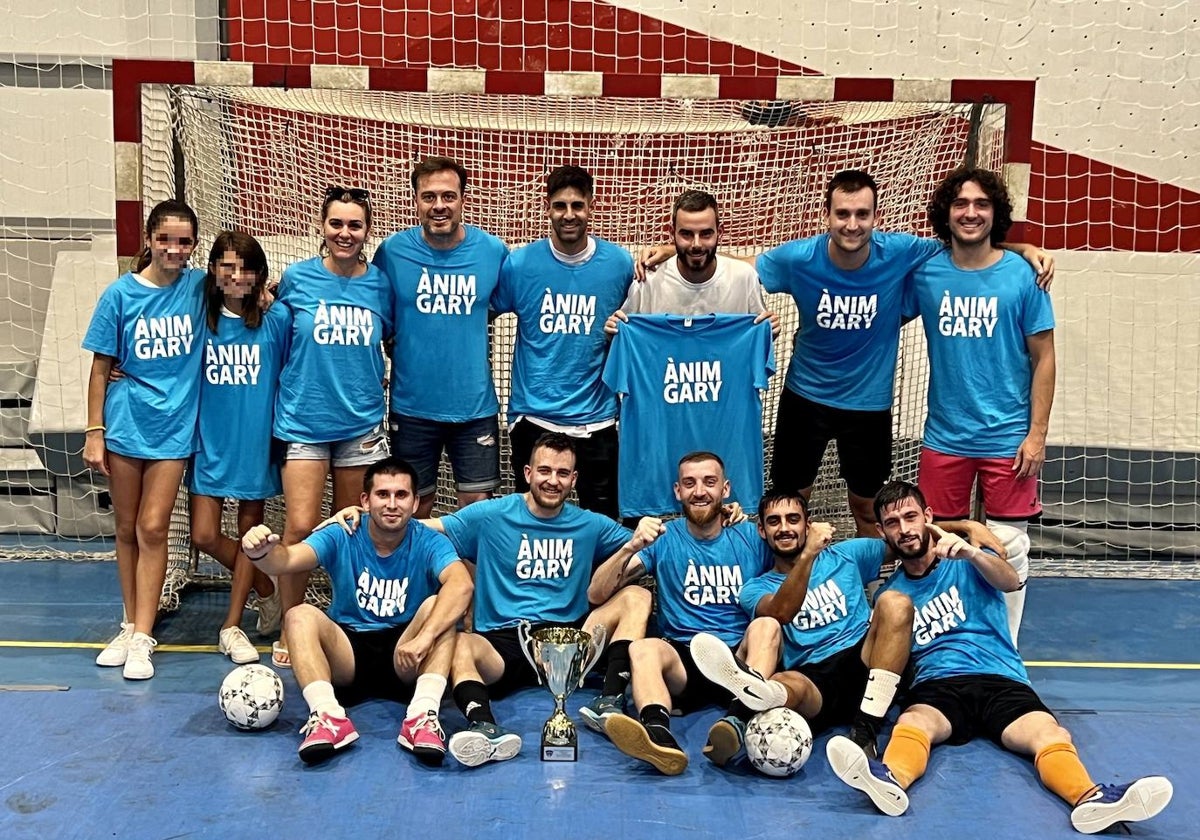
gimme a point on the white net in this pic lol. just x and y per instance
(260, 159)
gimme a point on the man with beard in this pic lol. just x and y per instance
(397, 591)
(557, 287)
(534, 555)
(841, 660)
(699, 281)
(968, 679)
(699, 568)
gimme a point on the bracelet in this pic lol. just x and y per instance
(99, 428)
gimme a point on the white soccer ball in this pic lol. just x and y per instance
(251, 696)
(778, 742)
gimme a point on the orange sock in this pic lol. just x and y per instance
(1061, 771)
(907, 754)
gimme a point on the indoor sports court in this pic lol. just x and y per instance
(248, 109)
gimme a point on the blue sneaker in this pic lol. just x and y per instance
(726, 741)
(482, 743)
(1104, 805)
(851, 765)
(599, 710)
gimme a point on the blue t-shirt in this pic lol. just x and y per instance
(699, 581)
(835, 612)
(961, 624)
(331, 388)
(561, 345)
(845, 354)
(527, 568)
(151, 332)
(688, 383)
(976, 323)
(237, 398)
(440, 367)
(369, 592)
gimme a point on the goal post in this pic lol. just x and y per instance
(254, 146)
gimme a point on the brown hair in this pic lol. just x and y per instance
(254, 259)
(162, 211)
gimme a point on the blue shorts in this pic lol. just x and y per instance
(473, 448)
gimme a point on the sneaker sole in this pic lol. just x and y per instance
(631, 738)
(240, 658)
(716, 662)
(472, 749)
(1144, 799)
(850, 764)
(322, 752)
(117, 660)
(137, 675)
(723, 744)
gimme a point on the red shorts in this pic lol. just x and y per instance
(947, 480)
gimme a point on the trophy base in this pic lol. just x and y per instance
(560, 752)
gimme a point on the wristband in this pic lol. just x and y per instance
(98, 428)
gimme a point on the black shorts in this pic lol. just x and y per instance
(374, 667)
(977, 705)
(804, 428)
(841, 679)
(700, 691)
(518, 673)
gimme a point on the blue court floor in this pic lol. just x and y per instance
(89, 755)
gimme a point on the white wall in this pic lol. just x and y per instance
(1117, 81)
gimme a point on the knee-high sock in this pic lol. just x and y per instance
(1016, 543)
(1061, 771)
(907, 754)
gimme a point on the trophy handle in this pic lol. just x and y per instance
(525, 637)
(599, 634)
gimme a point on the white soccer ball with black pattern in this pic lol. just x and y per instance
(778, 742)
(251, 696)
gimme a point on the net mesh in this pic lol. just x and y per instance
(260, 160)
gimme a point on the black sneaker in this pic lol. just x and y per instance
(864, 735)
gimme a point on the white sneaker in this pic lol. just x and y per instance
(718, 663)
(137, 661)
(234, 643)
(114, 652)
(269, 613)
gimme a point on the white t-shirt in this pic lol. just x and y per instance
(733, 289)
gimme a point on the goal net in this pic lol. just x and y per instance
(259, 159)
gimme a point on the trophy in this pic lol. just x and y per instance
(561, 657)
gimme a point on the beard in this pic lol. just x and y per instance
(909, 554)
(701, 516)
(705, 259)
(549, 502)
(787, 553)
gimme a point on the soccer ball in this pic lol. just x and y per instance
(251, 696)
(778, 742)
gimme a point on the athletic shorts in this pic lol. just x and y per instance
(700, 691)
(841, 679)
(518, 673)
(977, 704)
(947, 481)
(595, 459)
(374, 667)
(804, 428)
(473, 448)
(360, 451)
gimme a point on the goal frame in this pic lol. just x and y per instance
(130, 75)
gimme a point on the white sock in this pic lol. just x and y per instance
(321, 700)
(427, 695)
(1016, 543)
(881, 691)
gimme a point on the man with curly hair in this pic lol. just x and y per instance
(990, 333)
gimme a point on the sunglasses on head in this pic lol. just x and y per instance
(355, 194)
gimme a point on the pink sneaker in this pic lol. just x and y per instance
(423, 735)
(325, 734)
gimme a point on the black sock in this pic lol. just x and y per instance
(656, 715)
(865, 725)
(617, 675)
(741, 711)
(471, 697)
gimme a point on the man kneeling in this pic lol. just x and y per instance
(398, 590)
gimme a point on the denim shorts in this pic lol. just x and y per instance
(473, 448)
(356, 452)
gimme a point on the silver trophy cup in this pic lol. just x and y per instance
(561, 657)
